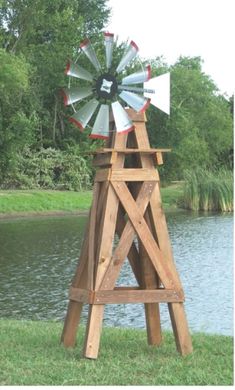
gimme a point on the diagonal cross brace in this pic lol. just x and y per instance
(126, 238)
(145, 235)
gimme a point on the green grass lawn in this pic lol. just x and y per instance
(16, 201)
(39, 201)
(32, 355)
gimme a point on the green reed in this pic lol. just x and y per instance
(208, 191)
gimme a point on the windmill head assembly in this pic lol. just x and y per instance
(107, 91)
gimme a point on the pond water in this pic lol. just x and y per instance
(38, 257)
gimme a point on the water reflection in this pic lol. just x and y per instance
(38, 258)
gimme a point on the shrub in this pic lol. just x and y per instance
(51, 169)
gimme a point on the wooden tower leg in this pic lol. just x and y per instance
(149, 278)
(84, 274)
(74, 310)
(103, 258)
(68, 337)
(152, 310)
(180, 328)
(176, 310)
(160, 231)
(93, 331)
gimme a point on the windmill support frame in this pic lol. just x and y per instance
(126, 202)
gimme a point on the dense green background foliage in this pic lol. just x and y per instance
(36, 39)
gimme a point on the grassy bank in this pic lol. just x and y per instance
(39, 201)
(31, 355)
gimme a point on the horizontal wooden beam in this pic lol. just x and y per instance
(104, 151)
(130, 151)
(136, 296)
(125, 295)
(127, 174)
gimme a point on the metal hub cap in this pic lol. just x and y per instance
(106, 86)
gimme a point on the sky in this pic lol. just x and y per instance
(172, 28)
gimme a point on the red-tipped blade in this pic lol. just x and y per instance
(101, 125)
(90, 53)
(138, 103)
(76, 70)
(128, 56)
(83, 116)
(74, 94)
(108, 41)
(122, 121)
(138, 77)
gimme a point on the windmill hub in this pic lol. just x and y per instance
(106, 86)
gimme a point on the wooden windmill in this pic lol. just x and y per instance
(126, 203)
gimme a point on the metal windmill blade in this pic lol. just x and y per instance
(110, 91)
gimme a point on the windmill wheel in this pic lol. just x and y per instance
(107, 93)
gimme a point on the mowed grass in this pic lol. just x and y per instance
(42, 201)
(32, 355)
(17, 201)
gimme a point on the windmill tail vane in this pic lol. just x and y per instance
(106, 93)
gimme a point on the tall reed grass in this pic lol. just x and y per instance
(208, 191)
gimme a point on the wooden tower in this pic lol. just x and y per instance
(126, 202)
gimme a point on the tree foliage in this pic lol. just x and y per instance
(16, 128)
(48, 33)
(199, 128)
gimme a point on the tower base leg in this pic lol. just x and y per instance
(180, 328)
(93, 331)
